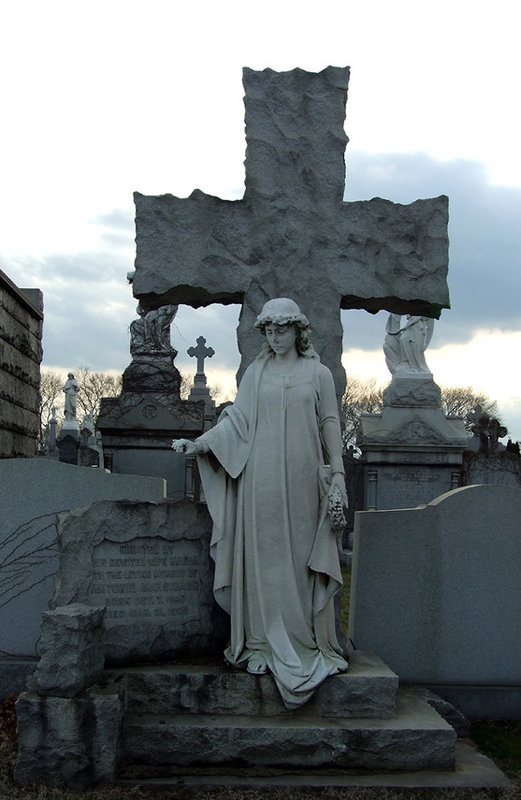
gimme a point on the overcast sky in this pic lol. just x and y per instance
(105, 98)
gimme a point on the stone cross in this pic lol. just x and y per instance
(201, 352)
(292, 235)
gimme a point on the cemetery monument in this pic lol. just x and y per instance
(486, 459)
(69, 438)
(411, 452)
(291, 236)
(199, 390)
(70, 389)
(137, 427)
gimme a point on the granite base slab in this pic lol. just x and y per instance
(367, 689)
(415, 738)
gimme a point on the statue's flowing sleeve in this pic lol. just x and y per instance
(230, 444)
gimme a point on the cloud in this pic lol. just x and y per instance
(117, 230)
(485, 236)
(89, 305)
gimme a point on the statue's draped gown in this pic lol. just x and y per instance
(276, 558)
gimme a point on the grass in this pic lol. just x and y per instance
(502, 742)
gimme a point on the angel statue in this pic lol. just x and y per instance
(404, 346)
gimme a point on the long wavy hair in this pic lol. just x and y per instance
(303, 342)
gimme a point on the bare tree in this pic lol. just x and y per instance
(360, 396)
(458, 401)
(186, 385)
(216, 392)
(94, 386)
(51, 384)
(364, 396)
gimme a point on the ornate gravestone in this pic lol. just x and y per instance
(91, 449)
(138, 426)
(292, 235)
(199, 390)
(412, 452)
(69, 439)
(486, 460)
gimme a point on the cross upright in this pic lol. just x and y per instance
(201, 352)
(292, 235)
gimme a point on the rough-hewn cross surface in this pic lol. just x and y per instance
(292, 235)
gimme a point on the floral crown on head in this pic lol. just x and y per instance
(281, 311)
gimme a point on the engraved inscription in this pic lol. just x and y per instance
(407, 487)
(146, 581)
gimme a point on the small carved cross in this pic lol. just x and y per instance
(201, 352)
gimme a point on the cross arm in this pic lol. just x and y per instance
(190, 250)
(393, 256)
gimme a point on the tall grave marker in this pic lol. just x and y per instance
(200, 390)
(137, 427)
(411, 452)
(291, 234)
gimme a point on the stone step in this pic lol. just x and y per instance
(415, 738)
(472, 770)
(367, 689)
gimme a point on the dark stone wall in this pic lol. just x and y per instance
(21, 323)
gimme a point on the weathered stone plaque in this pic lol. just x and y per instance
(149, 565)
(146, 580)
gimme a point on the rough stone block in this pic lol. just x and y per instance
(71, 650)
(69, 741)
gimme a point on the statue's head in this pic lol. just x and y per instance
(283, 311)
(70, 375)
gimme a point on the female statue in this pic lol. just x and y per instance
(71, 389)
(404, 346)
(268, 490)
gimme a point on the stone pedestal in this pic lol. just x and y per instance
(135, 580)
(154, 718)
(200, 392)
(412, 452)
(137, 427)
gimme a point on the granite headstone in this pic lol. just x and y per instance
(32, 492)
(149, 564)
(435, 592)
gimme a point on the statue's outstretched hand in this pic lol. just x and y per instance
(187, 446)
(184, 446)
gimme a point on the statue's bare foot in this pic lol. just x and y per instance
(257, 664)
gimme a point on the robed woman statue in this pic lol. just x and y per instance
(272, 473)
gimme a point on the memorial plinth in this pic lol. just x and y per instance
(411, 452)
